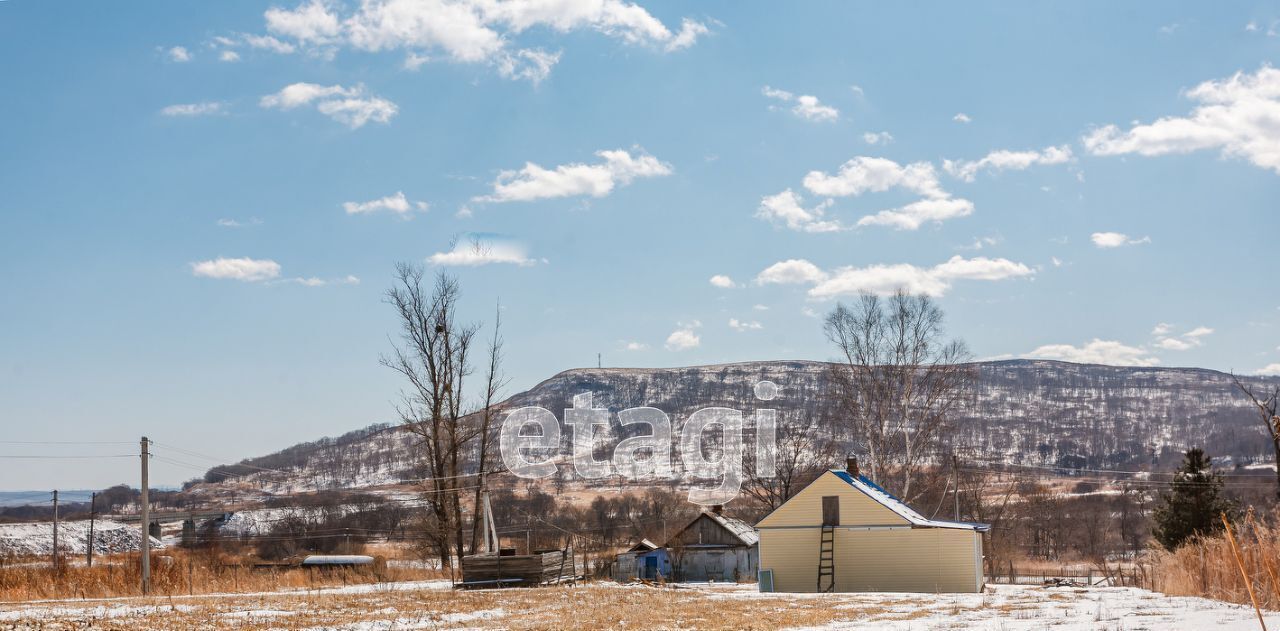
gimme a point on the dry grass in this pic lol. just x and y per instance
(1207, 567)
(176, 572)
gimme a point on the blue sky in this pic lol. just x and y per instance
(201, 204)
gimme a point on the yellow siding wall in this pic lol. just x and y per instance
(899, 560)
(805, 509)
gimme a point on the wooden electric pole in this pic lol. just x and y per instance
(146, 521)
(55, 529)
(93, 506)
(955, 475)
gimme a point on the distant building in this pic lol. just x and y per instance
(844, 533)
(714, 547)
(645, 560)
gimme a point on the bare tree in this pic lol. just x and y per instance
(800, 454)
(898, 381)
(1267, 405)
(433, 355)
(485, 433)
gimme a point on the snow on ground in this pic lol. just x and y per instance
(431, 604)
(36, 538)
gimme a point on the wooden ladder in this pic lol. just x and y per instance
(827, 559)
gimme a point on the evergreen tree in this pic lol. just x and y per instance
(1192, 506)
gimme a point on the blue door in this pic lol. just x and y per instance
(651, 567)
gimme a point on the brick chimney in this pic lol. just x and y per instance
(718, 509)
(851, 465)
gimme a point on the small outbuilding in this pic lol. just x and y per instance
(714, 547)
(844, 533)
(645, 560)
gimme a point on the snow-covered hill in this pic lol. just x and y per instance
(1023, 411)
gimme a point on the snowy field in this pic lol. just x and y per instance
(433, 605)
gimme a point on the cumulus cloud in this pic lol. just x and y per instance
(723, 282)
(961, 117)
(888, 278)
(877, 138)
(805, 106)
(1116, 239)
(786, 208)
(397, 203)
(229, 56)
(178, 54)
(349, 106)
(1006, 160)
(791, 272)
(1269, 370)
(633, 346)
(471, 31)
(208, 108)
(1235, 116)
(859, 176)
(483, 249)
(1096, 352)
(241, 269)
(1186, 341)
(684, 337)
(617, 167)
(744, 325)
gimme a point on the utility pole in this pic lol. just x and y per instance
(955, 475)
(599, 361)
(93, 506)
(146, 521)
(55, 529)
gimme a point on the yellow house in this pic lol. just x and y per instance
(844, 533)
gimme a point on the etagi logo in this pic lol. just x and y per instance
(533, 455)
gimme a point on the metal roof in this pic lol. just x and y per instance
(886, 499)
(337, 559)
(738, 528)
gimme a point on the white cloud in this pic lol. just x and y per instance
(483, 249)
(471, 31)
(1116, 239)
(1005, 160)
(961, 117)
(241, 269)
(1183, 342)
(178, 54)
(350, 106)
(320, 282)
(916, 214)
(760, 307)
(684, 338)
(1057, 262)
(1236, 116)
(310, 22)
(634, 346)
(806, 106)
(744, 325)
(397, 203)
(1096, 352)
(618, 168)
(232, 223)
(723, 282)
(229, 56)
(791, 272)
(877, 138)
(786, 208)
(534, 65)
(1269, 370)
(195, 109)
(865, 174)
(861, 175)
(885, 279)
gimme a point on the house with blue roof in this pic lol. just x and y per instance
(844, 533)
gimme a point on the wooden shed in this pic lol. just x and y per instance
(714, 547)
(844, 533)
(645, 560)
